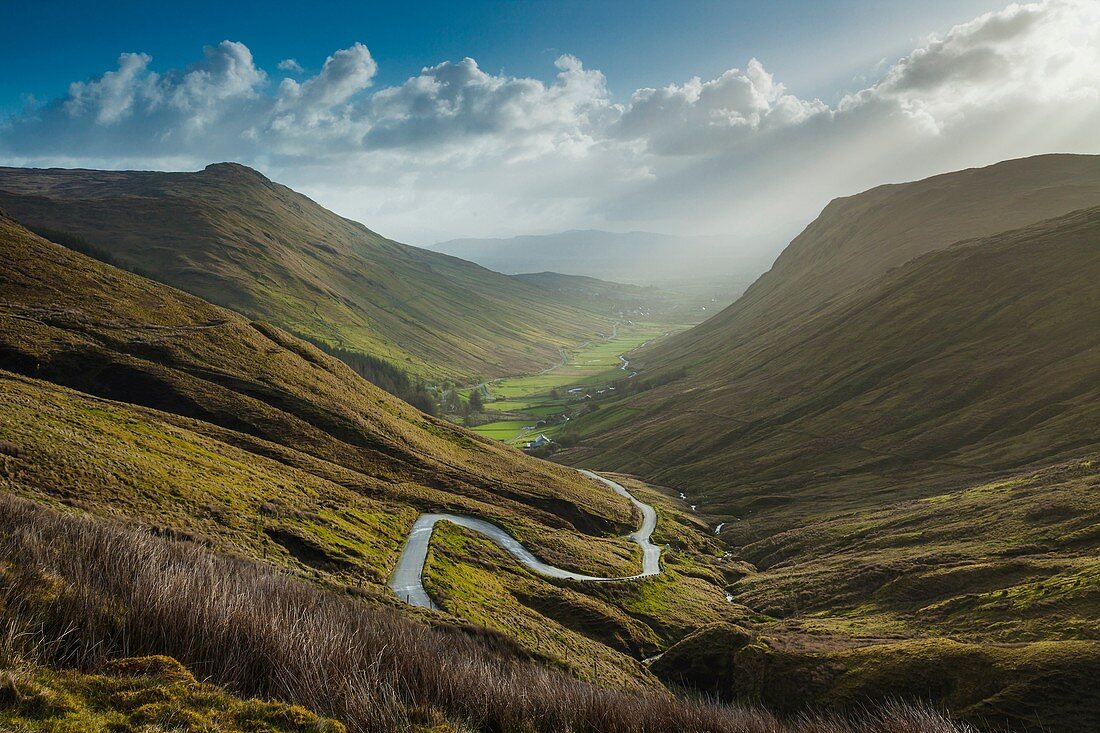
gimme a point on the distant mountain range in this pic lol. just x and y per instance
(235, 238)
(644, 258)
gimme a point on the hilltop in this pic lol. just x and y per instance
(235, 238)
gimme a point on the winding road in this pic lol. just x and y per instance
(407, 579)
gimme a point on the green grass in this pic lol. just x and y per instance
(594, 367)
(146, 694)
(504, 430)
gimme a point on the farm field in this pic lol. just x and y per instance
(524, 400)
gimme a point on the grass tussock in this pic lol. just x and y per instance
(78, 593)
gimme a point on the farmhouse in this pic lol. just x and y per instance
(538, 442)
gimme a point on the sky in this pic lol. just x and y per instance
(501, 118)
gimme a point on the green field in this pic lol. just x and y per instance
(505, 430)
(523, 400)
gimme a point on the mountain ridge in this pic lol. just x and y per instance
(852, 374)
(236, 238)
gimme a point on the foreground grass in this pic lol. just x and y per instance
(79, 593)
(147, 693)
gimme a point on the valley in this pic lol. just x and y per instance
(550, 367)
(820, 523)
(518, 409)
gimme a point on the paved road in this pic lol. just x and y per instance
(406, 579)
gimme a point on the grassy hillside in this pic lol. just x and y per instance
(253, 413)
(122, 396)
(984, 598)
(92, 595)
(234, 238)
(857, 239)
(963, 362)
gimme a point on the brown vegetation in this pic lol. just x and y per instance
(79, 592)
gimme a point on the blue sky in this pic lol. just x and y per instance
(502, 118)
(816, 47)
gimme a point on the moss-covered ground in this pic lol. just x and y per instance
(144, 694)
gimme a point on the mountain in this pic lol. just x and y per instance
(916, 354)
(644, 258)
(235, 238)
(905, 446)
(179, 481)
(859, 238)
(206, 381)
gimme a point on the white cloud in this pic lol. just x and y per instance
(290, 65)
(501, 116)
(345, 73)
(456, 150)
(699, 117)
(111, 97)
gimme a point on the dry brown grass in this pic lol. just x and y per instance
(79, 592)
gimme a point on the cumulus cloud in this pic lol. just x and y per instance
(111, 97)
(1022, 56)
(457, 150)
(697, 117)
(345, 73)
(457, 101)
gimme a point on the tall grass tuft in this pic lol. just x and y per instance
(78, 592)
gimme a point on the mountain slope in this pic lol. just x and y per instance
(859, 238)
(907, 453)
(233, 237)
(973, 359)
(212, 375)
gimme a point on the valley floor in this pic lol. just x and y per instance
(517, 409)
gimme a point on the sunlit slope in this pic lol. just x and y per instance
(124, 397)
(237, 413)
(235, 238)
(859, 238)
(980, 357)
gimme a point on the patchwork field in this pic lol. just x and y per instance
(521, 402)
